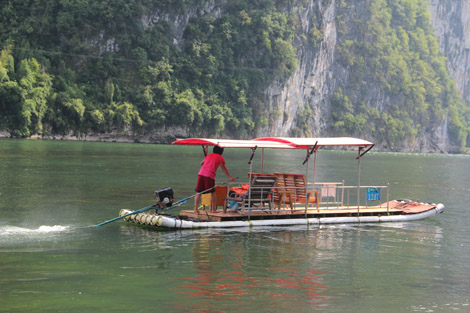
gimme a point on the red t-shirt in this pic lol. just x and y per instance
(211, 164)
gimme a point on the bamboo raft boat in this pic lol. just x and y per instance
(283, 199)
(187, 219)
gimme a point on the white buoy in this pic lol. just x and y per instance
(153, 220)
(143, 219)
(122, 213)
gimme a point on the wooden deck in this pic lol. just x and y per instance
(395, 208)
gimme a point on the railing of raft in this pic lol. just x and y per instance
(338, 196)
(329, 195)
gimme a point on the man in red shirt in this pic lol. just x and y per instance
(206, 176)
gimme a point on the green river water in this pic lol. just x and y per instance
(48, 263)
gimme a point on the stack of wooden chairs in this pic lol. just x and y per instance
(292, 189)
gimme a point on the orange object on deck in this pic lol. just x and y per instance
(220, 194)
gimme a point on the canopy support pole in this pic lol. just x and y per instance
(251, 171)
(306, 184)
(262, 160)
(204, 149)
(362, 154)
(314, 166)
(252, 155)
(358, 177)
(309, 153)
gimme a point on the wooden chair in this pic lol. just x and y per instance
(292, 190)
(259, 194)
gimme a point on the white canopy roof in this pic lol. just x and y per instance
(305, 143)
(276, 142)
(233, 143)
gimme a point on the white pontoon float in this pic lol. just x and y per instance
(277, 199)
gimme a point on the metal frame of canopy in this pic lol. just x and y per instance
(231, 143)
(234, 143)
(311, 145)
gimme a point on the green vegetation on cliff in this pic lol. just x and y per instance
(396, 56)
(101, 65)
(96, 66)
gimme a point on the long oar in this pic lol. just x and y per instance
(177, 204)
(123, 216)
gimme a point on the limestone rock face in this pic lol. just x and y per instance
(451, 21)
(312, 83)
(305, 97)
(180, 19)
(318, 74)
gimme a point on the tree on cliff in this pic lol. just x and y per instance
(23, 95)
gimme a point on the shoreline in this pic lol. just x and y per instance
(165, 137)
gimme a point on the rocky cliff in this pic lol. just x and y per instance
(312, 83)
(451, 21)
(319, 75)
(301, 104)
(372, 69)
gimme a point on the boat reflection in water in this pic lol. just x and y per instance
(220, 277)
(310, 267)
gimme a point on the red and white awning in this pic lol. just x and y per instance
(233, 143)
(306, 143)
(277, 142)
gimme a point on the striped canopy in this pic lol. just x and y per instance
(277, 142)
(306, 143)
